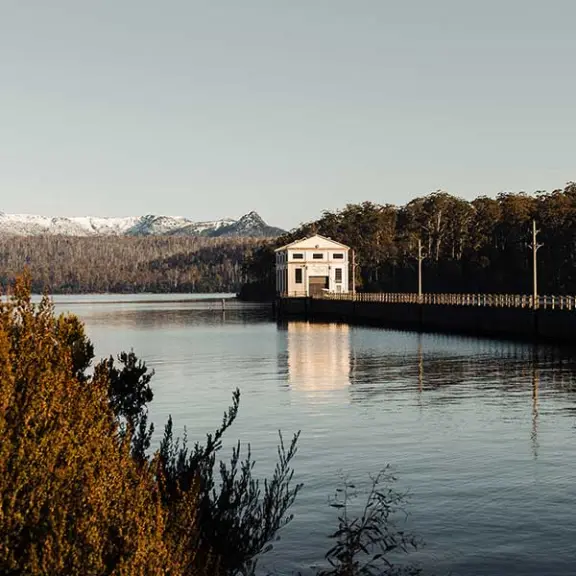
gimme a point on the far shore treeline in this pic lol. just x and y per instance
(72, 265)
(481, 245)
(477, 246)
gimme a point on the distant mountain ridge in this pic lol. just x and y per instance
(250, 225)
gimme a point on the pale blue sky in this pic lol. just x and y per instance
(213, 108)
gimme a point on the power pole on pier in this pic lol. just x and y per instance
(420, 259)
(535, 247)
(353, 272)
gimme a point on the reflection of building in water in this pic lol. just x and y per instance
(318, 356)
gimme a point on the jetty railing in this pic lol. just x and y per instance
(545, 302)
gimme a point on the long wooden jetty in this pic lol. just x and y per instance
(516, 316)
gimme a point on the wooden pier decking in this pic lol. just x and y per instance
(545, 302)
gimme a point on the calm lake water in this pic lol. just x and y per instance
(480, 432)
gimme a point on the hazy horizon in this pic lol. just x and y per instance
(209, 111)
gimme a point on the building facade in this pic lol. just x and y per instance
(312, 266)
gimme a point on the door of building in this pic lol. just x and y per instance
(316, 284)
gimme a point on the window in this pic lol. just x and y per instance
(338, 275)
(318, 256)
(298, 256)
(298, 276)
(338, 256)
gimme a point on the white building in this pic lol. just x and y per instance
(311, 266)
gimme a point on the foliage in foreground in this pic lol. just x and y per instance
(73, 499)
(365, 543)
(81, 494)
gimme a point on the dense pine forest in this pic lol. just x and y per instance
(477, 246)
(64, 264)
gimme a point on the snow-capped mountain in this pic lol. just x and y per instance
(250, 225)
(150, 225)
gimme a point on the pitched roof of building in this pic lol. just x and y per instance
(323, 238)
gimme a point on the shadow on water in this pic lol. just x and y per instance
(442, 366)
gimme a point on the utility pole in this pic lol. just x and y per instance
(420, 258)
(535, 247)
(353, 272)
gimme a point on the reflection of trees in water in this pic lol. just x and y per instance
(439, 366)
(132, 317)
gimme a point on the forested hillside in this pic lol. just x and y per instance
(123, 264)
(477, 246)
